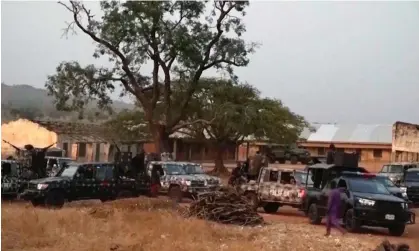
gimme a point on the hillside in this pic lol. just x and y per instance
(25, 100)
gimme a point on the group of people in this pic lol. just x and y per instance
(250, 168)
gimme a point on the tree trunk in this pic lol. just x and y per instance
(219, 162)
(161, 139)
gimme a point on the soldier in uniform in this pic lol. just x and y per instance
(256, 166)
(156, 173)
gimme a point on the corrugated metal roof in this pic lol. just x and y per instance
(359, 133)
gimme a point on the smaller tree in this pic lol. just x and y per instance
(127, 125)
(239, 112)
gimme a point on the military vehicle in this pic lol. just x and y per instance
(275, 187)
(184, 179)
(396, 171)
(292, 153)
(80, 181)
(366, 201)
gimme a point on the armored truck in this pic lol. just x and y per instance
(80, 181)
(184, 179)
(275, 187)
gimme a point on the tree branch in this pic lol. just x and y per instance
(76, 8)
(193, 85)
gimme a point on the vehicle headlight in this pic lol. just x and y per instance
(403, 189)
(404, 195)
(41, 186)
(366, 202)
(186, 182)
(404, 205)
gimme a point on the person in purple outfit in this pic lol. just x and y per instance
(333, 207)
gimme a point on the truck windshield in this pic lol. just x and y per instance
(367, 186)
(193, 169)
(395, 169)
(302, 178)
(69, 171)
(385, 181)
(174, 169)
(412, 176)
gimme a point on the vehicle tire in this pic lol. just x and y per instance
(281, 161)
(294, 160)
(123, 194)
(38, 202)
(175, 194)
(253, 200)
(55, 199)
(313, 214)
(351, 224)
(396, 230)
(271, 207)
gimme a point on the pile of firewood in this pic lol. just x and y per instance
(224, 206)
(387, 246)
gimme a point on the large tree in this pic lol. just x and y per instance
(239, 112)
(181, 39)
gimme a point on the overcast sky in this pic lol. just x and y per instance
(348, 62)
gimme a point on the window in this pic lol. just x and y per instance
(384, 169)
(273, 176)
(378, 153)
(82, 150)
(359, 153)
(65, 148)
(97, 154)
(321, 151)
(104, 172)
(286, 178)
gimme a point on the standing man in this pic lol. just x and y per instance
(156, 173)
(256, 166)
(330, 157)
(333, 207)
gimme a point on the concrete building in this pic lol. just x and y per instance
(88, 142)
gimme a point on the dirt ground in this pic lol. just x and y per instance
(153, 224)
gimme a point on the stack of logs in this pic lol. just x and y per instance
(225, 206)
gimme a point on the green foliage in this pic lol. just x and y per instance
(239, 111)
(181, 38)
(128, 125)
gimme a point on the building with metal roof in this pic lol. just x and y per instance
(372, 141)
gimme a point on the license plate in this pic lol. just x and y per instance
(389, 216)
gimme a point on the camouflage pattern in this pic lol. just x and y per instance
(269, 191)
(190, 183)
(13, 182)
(75, 188)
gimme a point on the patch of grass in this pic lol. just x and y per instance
(148, 224)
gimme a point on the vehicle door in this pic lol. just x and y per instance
(344, 196)
(323, 198)
(105, 184)
(267, 181)
(85, 182)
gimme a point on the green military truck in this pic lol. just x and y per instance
(292, 153)
(81, 181)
